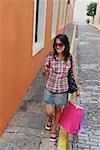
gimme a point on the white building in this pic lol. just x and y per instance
(80, 11)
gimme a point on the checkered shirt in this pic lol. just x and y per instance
(57, 81)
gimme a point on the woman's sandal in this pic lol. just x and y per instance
(48, 124)
(53, 137)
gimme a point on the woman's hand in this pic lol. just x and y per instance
(46, 71)
(77, 93)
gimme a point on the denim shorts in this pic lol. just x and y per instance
(59, 99)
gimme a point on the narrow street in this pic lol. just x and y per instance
(26, 129)
(88, 58)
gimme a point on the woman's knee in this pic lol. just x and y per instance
(58, 110)
(50, 109)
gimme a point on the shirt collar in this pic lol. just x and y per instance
(58, 59)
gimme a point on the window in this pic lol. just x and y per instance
(39, 25)
(63, 13)
(54, 18)
(68, 1)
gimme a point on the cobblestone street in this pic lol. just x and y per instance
(88, 56)
(26, 129)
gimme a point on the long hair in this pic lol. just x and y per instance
(64, 39)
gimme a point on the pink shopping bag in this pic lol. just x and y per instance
(70, 118)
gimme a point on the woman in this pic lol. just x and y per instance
(55, 96)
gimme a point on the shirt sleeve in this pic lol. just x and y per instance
(73, 62)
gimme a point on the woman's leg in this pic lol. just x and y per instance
(56, 120)
(50, 111)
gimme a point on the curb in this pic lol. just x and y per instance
(72, 41)
(97, 27)
(63, 138)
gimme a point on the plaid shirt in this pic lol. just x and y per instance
(57, 81)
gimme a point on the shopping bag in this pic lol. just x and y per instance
(70, 118)
(83, 123)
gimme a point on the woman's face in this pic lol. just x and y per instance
(59, 46)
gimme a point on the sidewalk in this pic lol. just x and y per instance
(26, 129)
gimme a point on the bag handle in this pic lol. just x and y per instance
(76, 100)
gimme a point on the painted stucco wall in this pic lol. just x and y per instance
(97, 17)
(70, 12)
(18, 67)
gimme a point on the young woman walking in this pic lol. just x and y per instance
(56, 66)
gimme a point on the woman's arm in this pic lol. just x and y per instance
(75, 75)
(46, 67)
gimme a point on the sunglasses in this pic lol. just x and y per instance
(59, 44)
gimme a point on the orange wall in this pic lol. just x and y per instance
(15, 46)
(17, 66)
(70, 12)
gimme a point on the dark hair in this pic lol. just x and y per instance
(64, 39)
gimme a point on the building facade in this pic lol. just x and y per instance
(97, 17)
(27, 30)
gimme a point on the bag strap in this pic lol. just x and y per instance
(76, 100)
(71, 61)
